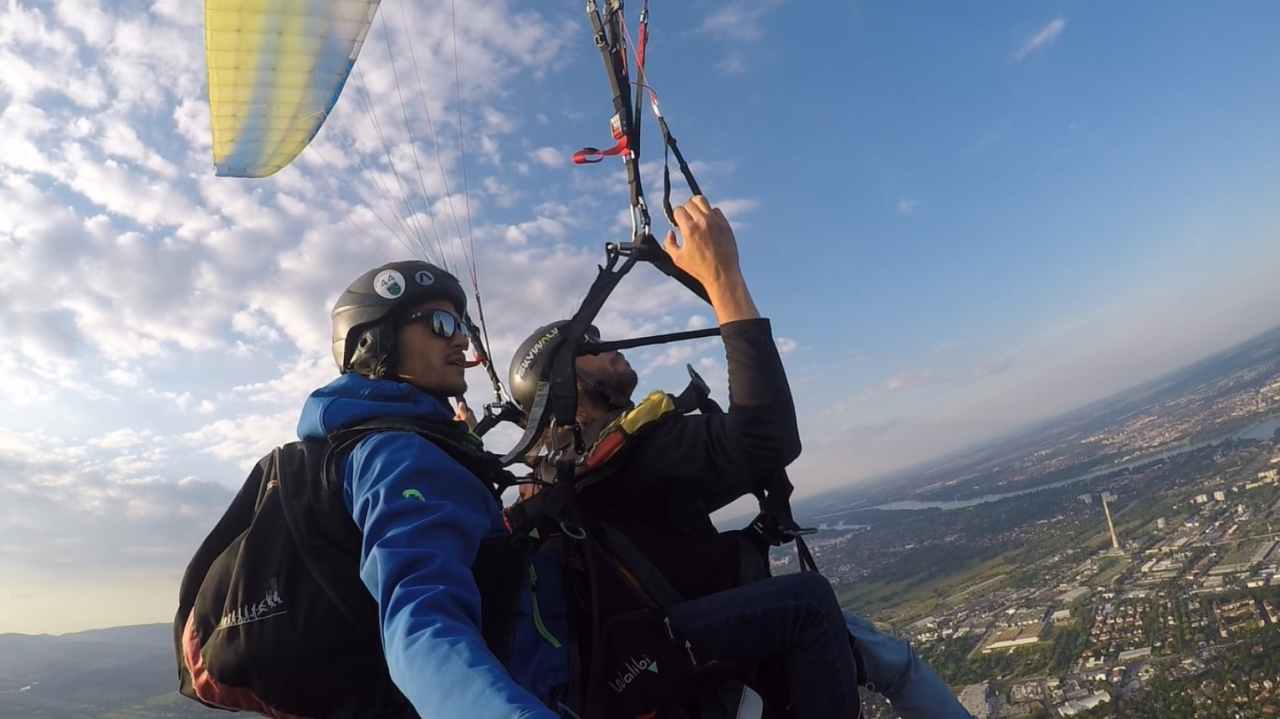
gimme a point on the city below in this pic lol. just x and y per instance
(1122, 562)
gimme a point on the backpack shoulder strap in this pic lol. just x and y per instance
(296, 465)
(497, 566)
(463, 446)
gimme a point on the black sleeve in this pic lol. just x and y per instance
(719, 457)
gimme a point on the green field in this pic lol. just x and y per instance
(917, 596)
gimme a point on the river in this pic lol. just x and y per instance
(1260, 430)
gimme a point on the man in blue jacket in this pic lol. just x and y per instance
(399, 340)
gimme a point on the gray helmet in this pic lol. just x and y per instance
(531, 362)
(363, 317)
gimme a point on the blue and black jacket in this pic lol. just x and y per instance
(423, 518)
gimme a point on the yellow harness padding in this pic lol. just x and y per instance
(614, 435)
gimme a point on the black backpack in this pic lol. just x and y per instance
(273, 617)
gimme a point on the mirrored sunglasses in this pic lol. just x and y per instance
(441, 322)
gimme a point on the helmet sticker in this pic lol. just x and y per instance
(536, 350)
(389, 284)
(424, 278)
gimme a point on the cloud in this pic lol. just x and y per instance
(739, 21)
(672, 356)
(163, 325)
(120, 439)
(735, 208)
(732, 64)
(1042, 39)
(736, 23)
(1065, 365)
(989, 138)
(111, 496)
(906, 205)
(897, 384)
(551, 157)
(995, 366)
(785, 346)
(110, 516)
(908, 380)
(244, 439)
(291, 386)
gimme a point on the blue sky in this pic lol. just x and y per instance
(960, 218)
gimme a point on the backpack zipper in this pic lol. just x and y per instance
(537, 616)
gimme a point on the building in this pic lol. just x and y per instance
(1024, 617)
(1015, 637)
(1076, 706)
(1072, 595)
(1130, 654)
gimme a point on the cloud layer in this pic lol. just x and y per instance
(164, 325)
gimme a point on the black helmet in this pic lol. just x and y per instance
(530, 364)
(363, 337)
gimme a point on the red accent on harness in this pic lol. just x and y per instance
(605, 448)
(589, 155)
(215, 692)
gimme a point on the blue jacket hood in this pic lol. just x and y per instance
(353, 398)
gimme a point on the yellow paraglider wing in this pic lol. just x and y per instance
(276, 68)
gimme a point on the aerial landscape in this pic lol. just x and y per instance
(1121, 561)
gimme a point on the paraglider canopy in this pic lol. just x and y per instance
(275, 71)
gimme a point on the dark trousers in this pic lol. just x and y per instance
(794, 618)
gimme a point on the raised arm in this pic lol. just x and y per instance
(728, 455)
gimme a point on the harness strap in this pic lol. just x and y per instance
(500, 557)
(506, 412)
(627, 561)
(556, 398)
(595, 348)
(671, 148)
(623, 125)
(626, 121)
(464, 447)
